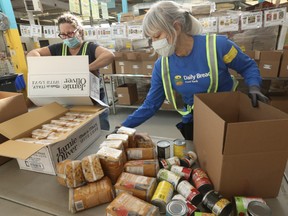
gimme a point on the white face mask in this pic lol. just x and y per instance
(163, 48)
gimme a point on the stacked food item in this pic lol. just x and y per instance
(137, 177)
(54, 129)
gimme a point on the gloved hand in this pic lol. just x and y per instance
(255, 95)
(114, 131)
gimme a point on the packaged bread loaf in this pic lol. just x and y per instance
(142, 187)
(91, 195)
(148, 168)
(130, 132)
(123, 137)
(111, 161)
(60, 172)
(143, 140)
(116, 144)
(91, 167)
(74, 174)
(127, 204)
(140, 153)
(40, 133)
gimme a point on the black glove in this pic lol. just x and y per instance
(114, 131)
(255, 95)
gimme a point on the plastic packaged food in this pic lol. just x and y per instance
(141, 153)
(91, 167)
(123, 137)
(60, 172)
(91, 195)
(127, 204)
(143, 140)
(142, 187)
(74, 174)
(130, 132)
(40, 133)
(112, 162)
(148, 168)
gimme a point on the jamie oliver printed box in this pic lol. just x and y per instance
(243, 149)
(44, 157)
(62, 79)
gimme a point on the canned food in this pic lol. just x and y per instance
(256, 208)
(162, 195)
(189, 192)
(179, 147)
(176, 208)
(191, 208)
(242, 203)
(217, 204)
(167, 163)
(169, 176)
(201, 181)
(203, 214)
(182, 171)
(163, 149)
(189, 159)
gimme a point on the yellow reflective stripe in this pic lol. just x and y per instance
(215, 64)
(230, 55)
(235, 83)
(208, 61)
(64, 50)
(84, 48)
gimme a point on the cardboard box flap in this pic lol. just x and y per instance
(12, 104)
(240, 137)
(20, 150)
(14, 128)
(35, 65)
(92, 109)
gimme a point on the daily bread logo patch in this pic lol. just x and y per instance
(178, 80)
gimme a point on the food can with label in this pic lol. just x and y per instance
(189, 192)
(179, 146)
(242, 202)
(191, 208)
(162, 195)
(201, 181)
(189, 159)
(169, 176)
(176, 208)
(217, 204)
(257, 208)
(185, 172)
(167, 163)
(163, 149)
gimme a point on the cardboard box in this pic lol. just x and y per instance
(269, 63)
(11, 105)
(109, 69)
(127, 94)
(43, 158)
(62, 79)
(167, 105)
(243, 149)
(280, 102)
(284, 65)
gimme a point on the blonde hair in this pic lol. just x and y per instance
(71, 19)
(164, 14)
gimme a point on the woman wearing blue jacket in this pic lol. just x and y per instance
(190, 63)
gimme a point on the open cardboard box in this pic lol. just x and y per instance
(62, 79)
(11, 105)
(243, 149)
(43, 158)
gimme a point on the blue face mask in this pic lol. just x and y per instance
(72, 42)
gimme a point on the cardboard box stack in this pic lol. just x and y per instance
(127, 94)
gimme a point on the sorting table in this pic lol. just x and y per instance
(29, 193)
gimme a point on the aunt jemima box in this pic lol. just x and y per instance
(67, 144)
(62, 79)
(243, 149)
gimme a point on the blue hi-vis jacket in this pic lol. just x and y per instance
(190, 75)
